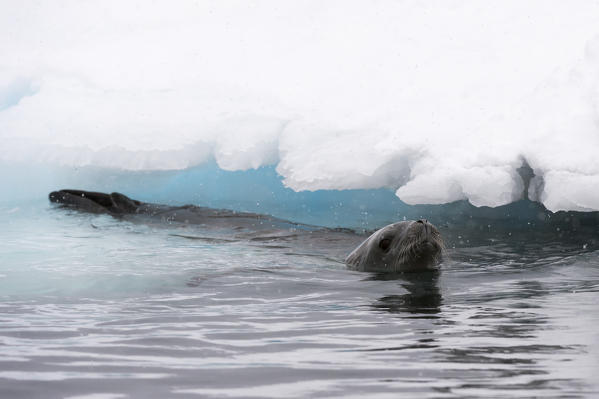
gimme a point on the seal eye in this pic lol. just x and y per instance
(384, 244)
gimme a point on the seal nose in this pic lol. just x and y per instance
(424, 224)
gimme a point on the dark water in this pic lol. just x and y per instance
(93, 307)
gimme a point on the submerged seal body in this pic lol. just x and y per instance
(122, 207)
(398, 247)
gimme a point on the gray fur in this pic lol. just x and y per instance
(413, 246)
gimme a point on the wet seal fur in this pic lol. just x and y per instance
(399, 247)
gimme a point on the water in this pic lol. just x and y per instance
(94, 307)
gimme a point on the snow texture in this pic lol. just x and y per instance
(439, 101)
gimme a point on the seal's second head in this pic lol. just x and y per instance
(398, 247)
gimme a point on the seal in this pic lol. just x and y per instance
(122, 207)
(399, 247)
(94, 202)
(403, 246)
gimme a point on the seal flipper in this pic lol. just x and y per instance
(90, 201)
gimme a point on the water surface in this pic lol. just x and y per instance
(95, 307)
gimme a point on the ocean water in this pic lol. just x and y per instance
(95, 307)
(480, 117)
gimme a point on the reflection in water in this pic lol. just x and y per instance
(495, 336)
(423, 296)
(161, 315)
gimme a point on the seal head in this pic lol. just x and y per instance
(399, 247)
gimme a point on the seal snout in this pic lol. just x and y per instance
(427, 248)
(426, 232)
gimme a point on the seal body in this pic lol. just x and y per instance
(399, 247)
(122, 207)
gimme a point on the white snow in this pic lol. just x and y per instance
(439, 101)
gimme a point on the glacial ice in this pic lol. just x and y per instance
(438, 102)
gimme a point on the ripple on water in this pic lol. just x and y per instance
(120, 310)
